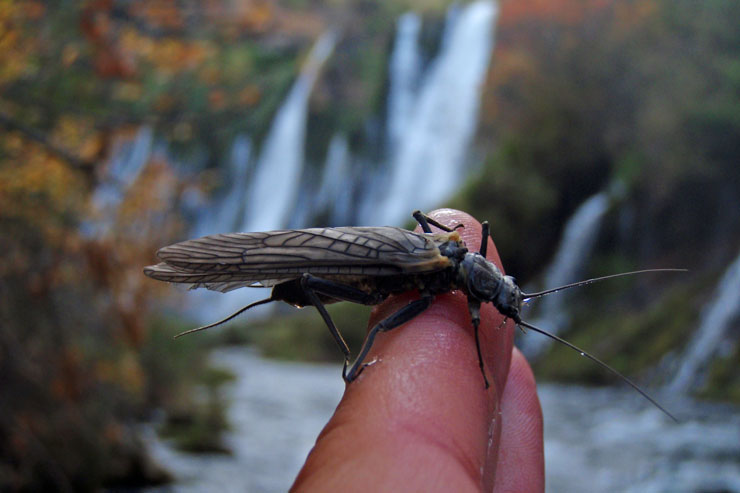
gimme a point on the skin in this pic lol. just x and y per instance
(420, 419)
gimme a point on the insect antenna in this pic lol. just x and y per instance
(528, 296)
(233, 315)
(602, 364)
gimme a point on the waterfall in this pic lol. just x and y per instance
(404, 70)
(427, 167)
(431, 122)
(717, 318)
(274, 188)
(332, 198)
(570, 259)
(225, 214)
(126, 163)
(335, 191)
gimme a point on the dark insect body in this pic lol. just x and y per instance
(361, 265)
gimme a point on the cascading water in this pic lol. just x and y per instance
(426, 168)
(274, 188)
(717, 318)
(127, 161)
(272, 192)
(404, 70)
(575, 248)
(335, 192)
(430, 126)
(225, 214)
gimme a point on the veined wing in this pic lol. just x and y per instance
(228, 261)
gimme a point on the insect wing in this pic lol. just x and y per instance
(228, 261)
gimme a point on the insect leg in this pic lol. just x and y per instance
(474, 307)
(339, 291)
(424, 221)
(315, 301)
(312, 285)
(421, 218)
(400, 317)
(484, 239)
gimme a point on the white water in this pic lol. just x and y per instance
(225, 214)
(570, 260)
(273, 191)
(429, 127)
(403, 80)
(404, 72)
(596, 440)
(128, 159)
(428, 165)
(611, 440)
(336, 190)
(277, 410)
(717, 319)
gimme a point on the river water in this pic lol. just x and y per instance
(596, 440)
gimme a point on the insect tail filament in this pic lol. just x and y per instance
(223, 321)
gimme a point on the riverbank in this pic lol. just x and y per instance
(596, 439)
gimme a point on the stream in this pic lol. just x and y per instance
(596, 440)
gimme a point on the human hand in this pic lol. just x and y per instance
(421, 419)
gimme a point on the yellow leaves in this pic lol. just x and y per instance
(175, 55)
(77, 134)
(259, 16)
(249, 96)
(125, 371)
(183, 131)
(128, 91)
(168, 56)
(32, 10)
(217, 99)
(15, 46)
(164, 14)
(70, 54)
(628, 15)
(38, 189)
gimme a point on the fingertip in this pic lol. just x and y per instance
(425, 398)
(521, 460)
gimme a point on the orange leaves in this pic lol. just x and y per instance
(169, 55)
(165, 14)
(15, 45)
(249, 96)
(569, 12)
(99, 29)
(256, 15)
(37, 188)
(78, 133)
(573, 12)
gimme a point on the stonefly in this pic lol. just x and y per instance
(363, 265)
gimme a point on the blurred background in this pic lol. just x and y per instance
(596, 136)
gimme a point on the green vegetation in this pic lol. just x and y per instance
(181, 382)
(302, 334)
(643, 92)
(631, 338)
